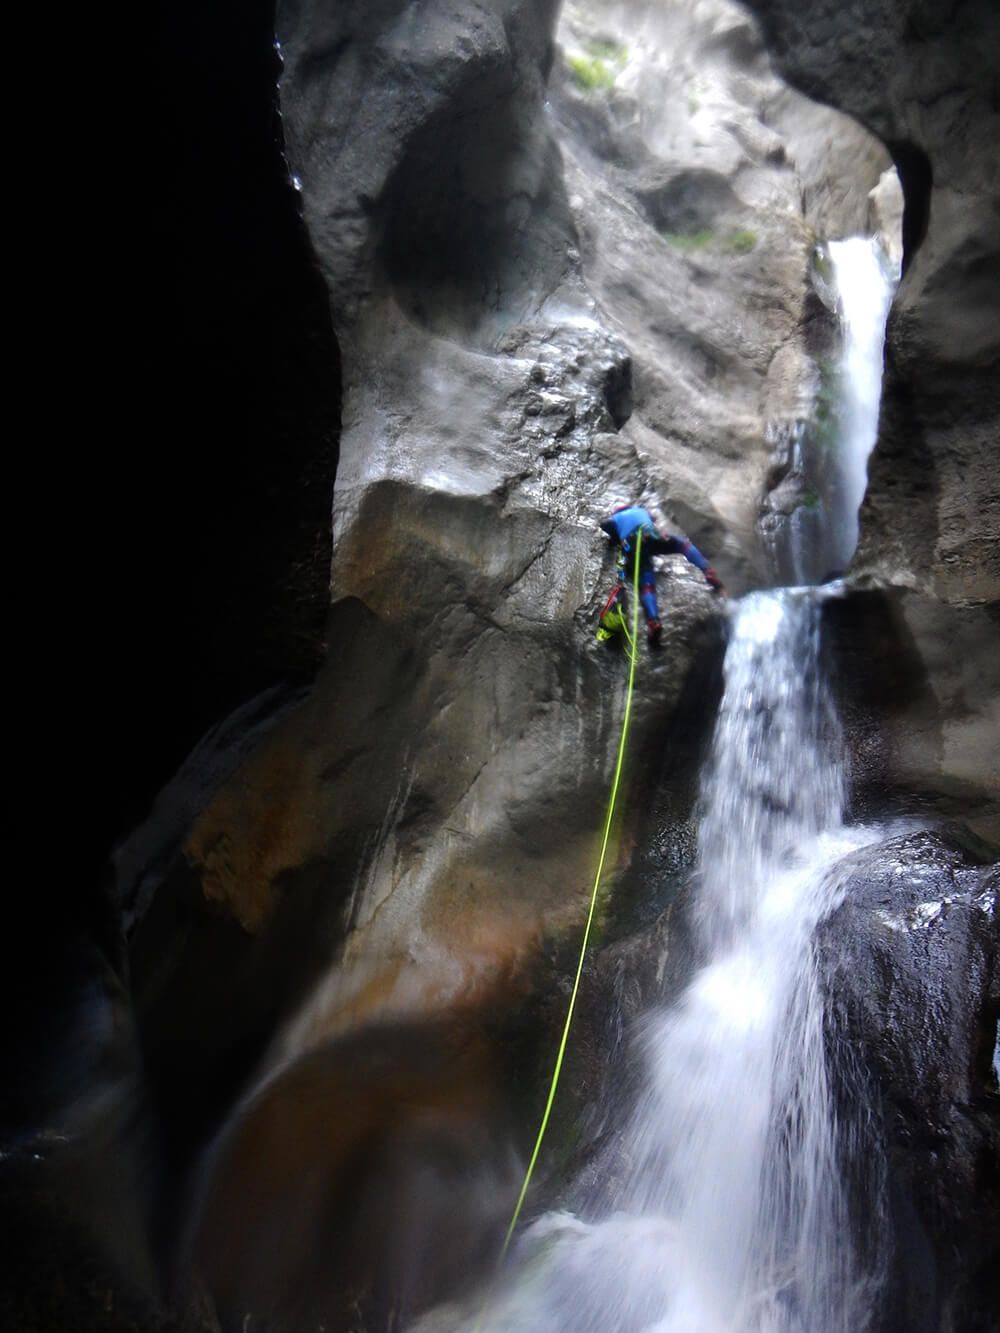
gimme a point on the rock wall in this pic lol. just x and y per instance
(528, 333)
(699, 190)
(564, 268)
(914, 994)
(542, 306)
(923, 80)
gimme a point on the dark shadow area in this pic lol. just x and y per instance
(916, 176)
(226, 949)
(370, 1180)
(213, 547)
(199, 474)
(877, 674)
(476, 220)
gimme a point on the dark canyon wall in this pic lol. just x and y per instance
(553, 279)
(923, 79)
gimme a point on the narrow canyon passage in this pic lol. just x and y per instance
(732, 1210)
(430, 291)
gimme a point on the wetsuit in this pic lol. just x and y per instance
(622, 526)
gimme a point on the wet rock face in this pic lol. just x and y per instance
(517, 355)
(912, 971)
(924, 81)
(436, 794)
(370, 1179)
(917, 685)
(699, 184)
(533, 325)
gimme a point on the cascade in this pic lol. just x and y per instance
(827, 456)
(863, 284)
(731, 1214)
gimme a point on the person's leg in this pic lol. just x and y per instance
(647, 594)
(653, 544)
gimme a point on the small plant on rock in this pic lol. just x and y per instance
(597, 70)
(689, 240)
(741, 242)
(589, 74)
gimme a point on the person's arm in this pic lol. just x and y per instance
(608, 526)
(691, 553)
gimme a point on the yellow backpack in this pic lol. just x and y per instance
(612, 620)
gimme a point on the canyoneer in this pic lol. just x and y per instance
(639, 539)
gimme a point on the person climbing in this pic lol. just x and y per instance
(625, 526)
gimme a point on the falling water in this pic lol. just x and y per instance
(731, 1214)
(732, 1217)
(863, 281)
(811, 523)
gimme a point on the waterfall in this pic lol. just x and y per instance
(730, 1213)
(731, 1217)
(863, 284)
(810, 521)
(736, 1141)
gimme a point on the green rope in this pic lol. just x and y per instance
(612, 801)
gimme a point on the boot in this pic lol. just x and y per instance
(653, 631)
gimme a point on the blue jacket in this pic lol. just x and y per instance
(625, 522)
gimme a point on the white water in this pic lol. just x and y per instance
(731, 1217)
(863, 282)
(828, 453)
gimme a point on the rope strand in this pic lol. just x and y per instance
(609, 817)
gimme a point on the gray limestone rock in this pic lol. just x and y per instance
(919, 690)
(485, 397)
(911, 960)
(564, 270)
(923, 79)
(697, 181)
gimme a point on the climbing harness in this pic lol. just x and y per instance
(608, 818)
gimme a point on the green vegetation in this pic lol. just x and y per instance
(689, 240)
(590, 74)
(741, 242)
(825, 425)
(597, 70)
(810, 500)
(734, 242)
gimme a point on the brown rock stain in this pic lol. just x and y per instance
(355, 1177)
(261, 824)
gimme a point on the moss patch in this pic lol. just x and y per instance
(829, 395)
(597, 68)
(740, 242)
(733, 242)
(689, 240)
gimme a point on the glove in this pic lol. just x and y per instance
(713, 581)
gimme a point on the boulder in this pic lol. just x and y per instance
(910, 960)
